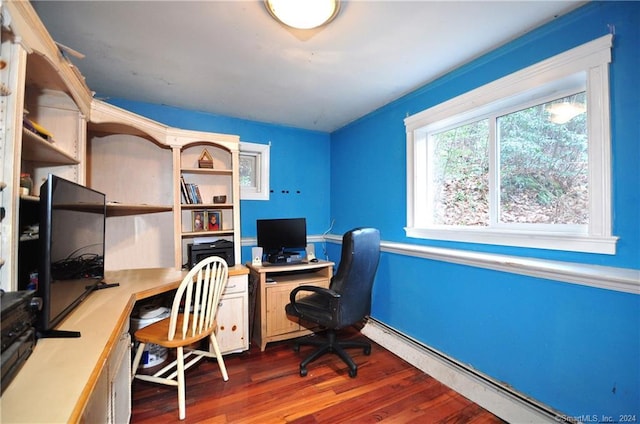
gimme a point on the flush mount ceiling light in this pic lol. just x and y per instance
(303, 14)
(563, 112)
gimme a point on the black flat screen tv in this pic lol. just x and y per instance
(281, 236)
(72, 242)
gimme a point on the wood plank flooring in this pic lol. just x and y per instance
(265, 387)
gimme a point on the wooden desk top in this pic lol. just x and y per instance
(58, 378)
(264, 269)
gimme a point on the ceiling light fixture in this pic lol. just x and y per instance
(563, 112)
(303, 14)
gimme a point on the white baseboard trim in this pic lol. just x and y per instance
(481, 389)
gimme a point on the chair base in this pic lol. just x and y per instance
(330, 344)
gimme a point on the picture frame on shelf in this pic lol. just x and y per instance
(214, 220)
(198, 220)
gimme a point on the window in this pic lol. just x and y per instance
(254, 171)
(523, 161)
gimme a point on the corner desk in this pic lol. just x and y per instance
(73, 380)
(274, 283)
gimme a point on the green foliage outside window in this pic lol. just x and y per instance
(543, 169)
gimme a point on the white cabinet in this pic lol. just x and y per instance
(120, 381)
(110, 401)
(233, 328)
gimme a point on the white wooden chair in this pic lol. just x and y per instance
(192, 319)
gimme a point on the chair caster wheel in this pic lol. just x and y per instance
(303, 372)
(353, 373)
(367, 350)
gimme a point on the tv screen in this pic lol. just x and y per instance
(72, 229)
(281, 235)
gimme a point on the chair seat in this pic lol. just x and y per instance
(157, 332)
(313, 308)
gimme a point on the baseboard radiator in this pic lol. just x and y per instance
(496, 397)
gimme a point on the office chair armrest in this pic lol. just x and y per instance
(315, 289)
(331, 296)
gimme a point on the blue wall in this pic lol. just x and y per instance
(572, 347)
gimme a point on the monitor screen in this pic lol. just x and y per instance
(72, 235)
(281, 235)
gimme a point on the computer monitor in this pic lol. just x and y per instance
(281, 237)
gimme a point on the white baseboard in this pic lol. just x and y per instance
(489, 394)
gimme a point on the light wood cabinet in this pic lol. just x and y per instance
(233, 327)
(110, 400)
(222, 179)
(272, 295)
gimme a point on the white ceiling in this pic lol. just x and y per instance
(231, 58)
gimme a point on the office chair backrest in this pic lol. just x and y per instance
(196, 301)
(356, 272)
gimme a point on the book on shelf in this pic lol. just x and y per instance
(185, 192)
(190, 192)
(193, 193)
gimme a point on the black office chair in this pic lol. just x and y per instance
(346, 302)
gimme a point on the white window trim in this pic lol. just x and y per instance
(593, 58)
(262, 155)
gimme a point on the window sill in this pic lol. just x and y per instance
(603, 277)
(536, 240)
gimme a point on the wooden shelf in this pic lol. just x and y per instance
(37, 149)
(124, 209)
(189, 206)
(209, 171)
(189, 234)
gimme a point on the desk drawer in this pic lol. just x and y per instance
(236, 284)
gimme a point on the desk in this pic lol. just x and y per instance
(62, 376)
(271, 323)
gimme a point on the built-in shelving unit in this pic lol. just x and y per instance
(147, 220)
(40, 85)
(135, 161)
(128, 160)
(221, 179)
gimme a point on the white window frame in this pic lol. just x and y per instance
(261, 153)
(592, 60)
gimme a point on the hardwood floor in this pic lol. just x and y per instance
(265, 387)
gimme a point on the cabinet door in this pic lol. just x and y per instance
(233, 317)
(277, 297)
(97, 409)
(120, 376)
(232, 321)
